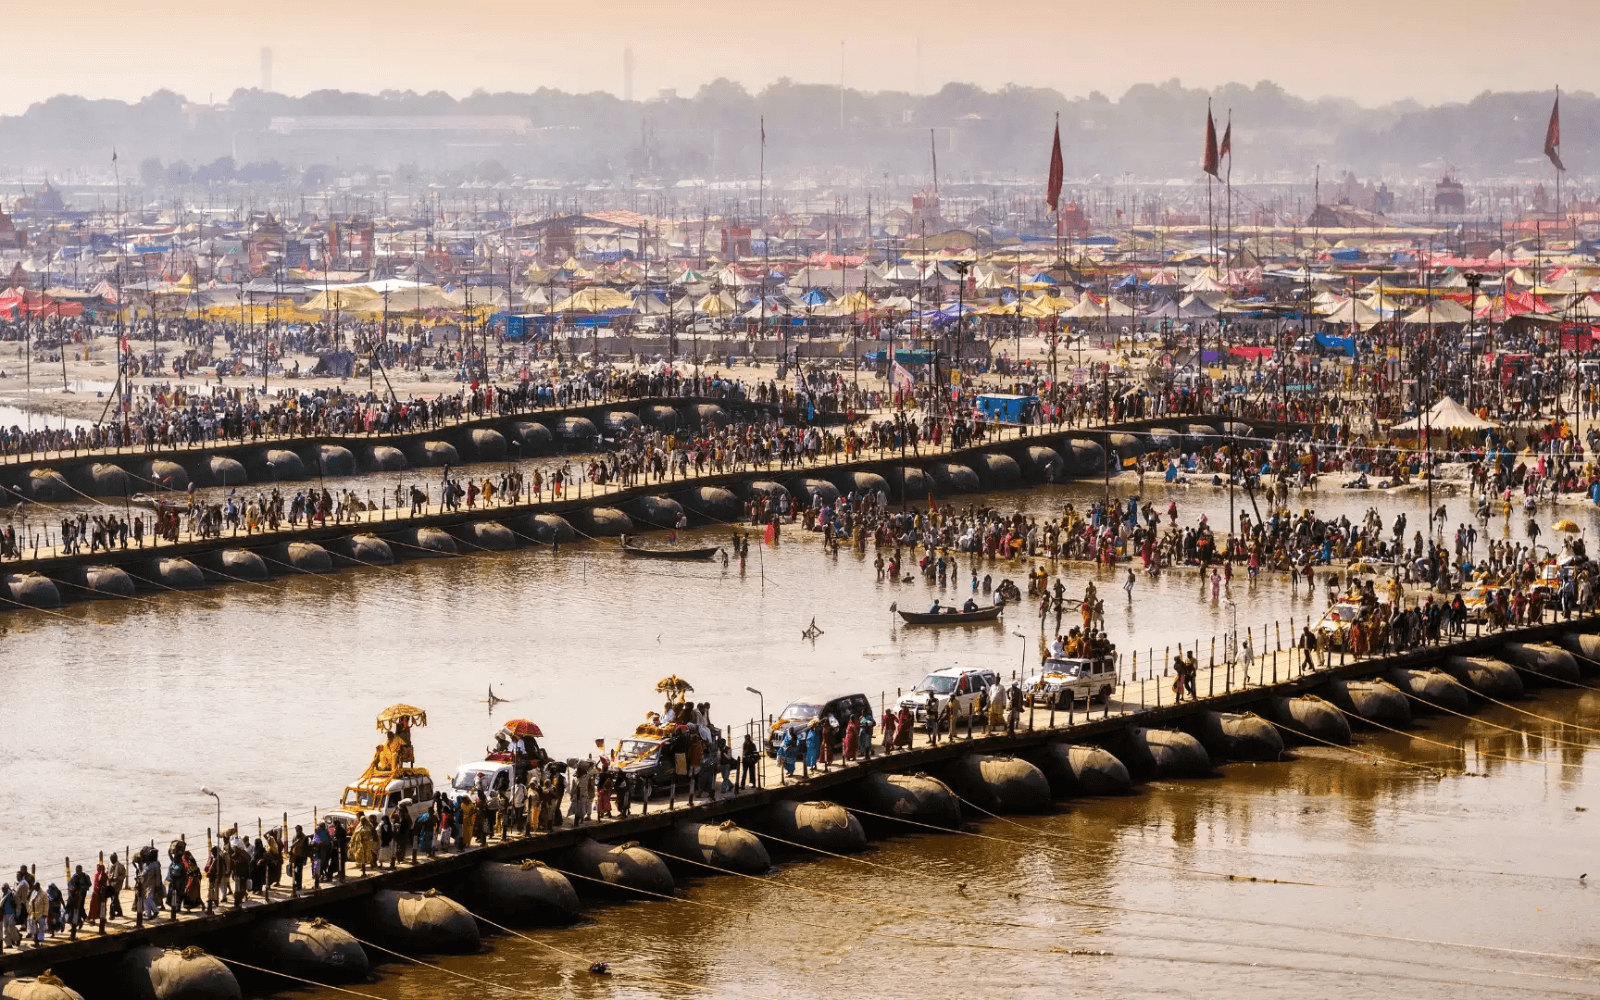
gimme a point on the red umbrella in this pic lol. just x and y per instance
(519, 728)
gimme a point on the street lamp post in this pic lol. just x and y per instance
(207, 791)
(763, 698)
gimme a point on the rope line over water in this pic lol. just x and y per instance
(1113, 908)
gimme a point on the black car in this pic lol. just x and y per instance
(838, 709)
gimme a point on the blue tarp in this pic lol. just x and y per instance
(521, 327)
(1005, 408)
(1344, 345)
(911, 356)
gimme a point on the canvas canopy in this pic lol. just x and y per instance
(1445, 312)
(596, 299)
(1446, 415)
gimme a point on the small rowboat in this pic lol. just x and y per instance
(680, 554)
(952, 617)
(154, 503)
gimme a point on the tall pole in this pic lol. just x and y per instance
(1427, 451)
(1559, 219)
(1228, 185)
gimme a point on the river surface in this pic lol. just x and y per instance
(119, 712)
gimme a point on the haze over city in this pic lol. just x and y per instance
(1369, 51)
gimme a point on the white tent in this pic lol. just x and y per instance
(1205, 282)
(1351, 311)
(1166, 309)
(1445, 312)
(1446, 415)
(1088, 308)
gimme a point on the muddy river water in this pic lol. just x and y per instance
(1390, 879)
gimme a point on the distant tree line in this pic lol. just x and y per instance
(1151, 131)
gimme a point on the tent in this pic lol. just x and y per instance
(595, 299)
(716, 305)
(347, 299)
(1445, 312)
(1166, 309)
(650, 304)
(1205, 282)
(1352, 311)
(1046, 306)
(855, 302)
(1446, 415)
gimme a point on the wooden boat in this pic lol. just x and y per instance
(155, 503)
(952, 617)
(680, 554)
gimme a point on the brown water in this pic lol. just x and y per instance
(266, 693)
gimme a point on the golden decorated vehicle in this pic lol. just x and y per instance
(392, 780)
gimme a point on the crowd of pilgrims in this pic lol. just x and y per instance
(167, 414)
(642, 455)
(1517, 578)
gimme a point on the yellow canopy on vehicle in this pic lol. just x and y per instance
(395, 713)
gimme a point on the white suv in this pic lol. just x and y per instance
(963, 686)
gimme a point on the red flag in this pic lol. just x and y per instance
(1052, 188)
(1209, 164)
(1226, 149)
(763, 130)
(1552, 135)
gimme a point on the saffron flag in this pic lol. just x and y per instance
(1052, 188)
(1209, 163)
(1552, 135)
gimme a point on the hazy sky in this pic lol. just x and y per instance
(1371, 51)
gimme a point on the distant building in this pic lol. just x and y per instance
(736, 240)
(1383, 200)
(1343, 216)
(1449, 197)
(1073, 221)
(925, 215)
(351, 241)
(45, 201)
(11, 238)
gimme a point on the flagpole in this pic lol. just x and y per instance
(1228, 184)
(1559, 219)
(761, 212)
(1057, 208)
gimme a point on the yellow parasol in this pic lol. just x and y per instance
(1566, 525)
(396, 713)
